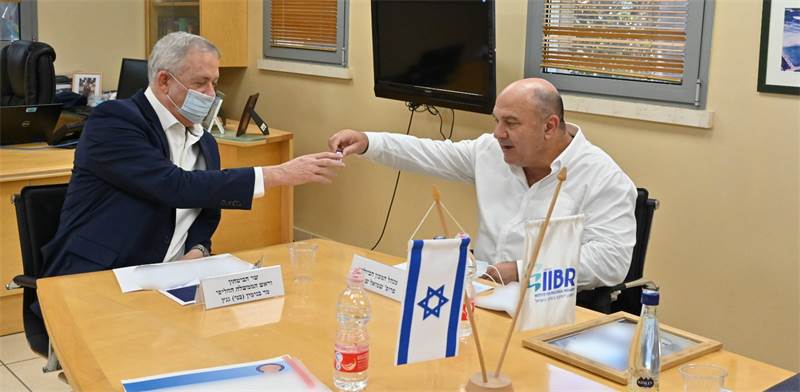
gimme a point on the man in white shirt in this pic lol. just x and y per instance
(514, 171)
(146, 184)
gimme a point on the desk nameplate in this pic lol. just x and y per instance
(380, 278)
(241, 287)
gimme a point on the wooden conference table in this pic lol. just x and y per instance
(269, 222)
(102, 336)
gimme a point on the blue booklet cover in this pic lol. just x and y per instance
(185, 294)
(283, 373)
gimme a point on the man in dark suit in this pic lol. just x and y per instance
(146, 185)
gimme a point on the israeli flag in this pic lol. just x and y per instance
(432, 302)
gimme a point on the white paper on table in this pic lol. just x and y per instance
(478, 286)
(169, 275)
(125, 279)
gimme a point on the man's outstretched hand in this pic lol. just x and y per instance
(348, 141)
(313, 168)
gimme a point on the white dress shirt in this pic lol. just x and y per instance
(595, 187)
(184, 152)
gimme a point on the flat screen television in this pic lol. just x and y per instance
(435, 52)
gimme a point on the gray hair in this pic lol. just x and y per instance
(170, 51)
(548, 102)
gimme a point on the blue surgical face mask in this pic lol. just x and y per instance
(195, 106)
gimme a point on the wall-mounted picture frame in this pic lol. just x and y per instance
(601, 346)
(779, 57)
(87, 84)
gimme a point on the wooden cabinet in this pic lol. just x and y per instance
(19, 169)
(270, 220)
(223, 22)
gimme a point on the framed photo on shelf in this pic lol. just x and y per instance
(87, 84)
(779, 57)
(601, 346)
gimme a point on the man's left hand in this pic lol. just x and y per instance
(503, 272)
(191, 255)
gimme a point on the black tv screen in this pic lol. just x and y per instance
(435, 52)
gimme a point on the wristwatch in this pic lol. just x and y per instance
(202, 250)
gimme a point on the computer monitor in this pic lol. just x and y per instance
(132, 77)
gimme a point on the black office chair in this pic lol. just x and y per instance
(602, 299)
(38, 212)
(27, 76)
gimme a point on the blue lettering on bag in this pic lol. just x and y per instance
(552, 279)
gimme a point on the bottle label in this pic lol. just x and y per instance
(645, 382)
(351, 362)
(464, 310)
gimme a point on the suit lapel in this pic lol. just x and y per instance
(207, 145)
(152, 119)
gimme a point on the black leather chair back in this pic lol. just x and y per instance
(629, 300)
(27, 73)
(38, 213)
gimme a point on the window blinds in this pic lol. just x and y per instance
(627, 39)
(304, 24)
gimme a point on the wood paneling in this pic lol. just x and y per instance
(224, 23)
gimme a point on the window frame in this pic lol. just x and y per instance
(339, 57)
(691, 92)
(28, 22)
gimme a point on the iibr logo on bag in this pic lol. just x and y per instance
(552, 279)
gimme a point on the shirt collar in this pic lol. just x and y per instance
(166, 118)
(573, 149)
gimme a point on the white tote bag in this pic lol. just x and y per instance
(552, 287)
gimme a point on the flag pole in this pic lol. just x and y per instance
(523, 279)
(467, 304)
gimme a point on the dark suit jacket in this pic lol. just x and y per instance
(120, 205)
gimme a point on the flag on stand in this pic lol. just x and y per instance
(431, 307)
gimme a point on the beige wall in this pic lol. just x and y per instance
(93, 35)
(725, 242)
(724, 245)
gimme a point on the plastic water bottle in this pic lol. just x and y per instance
(644, 364)
(351, 358)
(465, 328)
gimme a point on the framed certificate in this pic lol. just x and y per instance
(601, 346)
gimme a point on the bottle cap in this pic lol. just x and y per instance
(650, 297)
(356, 275)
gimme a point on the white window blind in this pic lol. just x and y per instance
(312, 31)
(622, 39)
(308, 24)
(654, 50)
